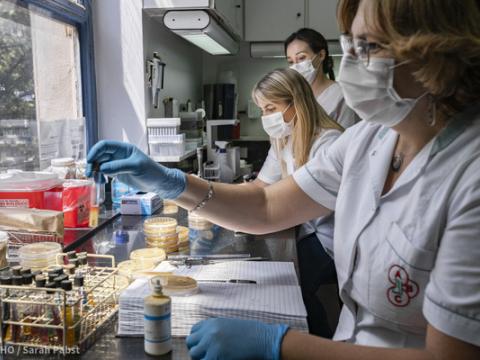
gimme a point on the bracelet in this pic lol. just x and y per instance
(207, 198)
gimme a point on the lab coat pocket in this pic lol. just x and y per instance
(399, 273)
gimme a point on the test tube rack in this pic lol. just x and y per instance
(57, 322)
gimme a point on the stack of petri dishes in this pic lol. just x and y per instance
(198, 223)
(183, 239)
(38, 256)
(169, 207)
(149, 255)
(161, 232)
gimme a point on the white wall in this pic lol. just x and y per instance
(247, 71)
(183, 72)
(119, 67)
(124, 39)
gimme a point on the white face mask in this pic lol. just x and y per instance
(275, 125)
(370, 93)
(306, 69)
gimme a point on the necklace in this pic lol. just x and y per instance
(397, 162)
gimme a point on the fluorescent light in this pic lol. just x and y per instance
(202, 30)
(206, 43)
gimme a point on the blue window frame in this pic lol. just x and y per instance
(78, 14)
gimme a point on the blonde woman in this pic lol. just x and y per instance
(299, 128)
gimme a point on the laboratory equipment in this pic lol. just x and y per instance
(151, 255)
(76, 199)
(63, 167)
(119, 189)
(60, 320)
(169, 207)
(171, 107)
(155, 71)
(167, 145)
(3, 249)
(157, 327)
(40, 190)
(40, 255)
(226, 172)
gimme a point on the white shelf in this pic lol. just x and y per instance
(177, 158)
(252, 138)
(222, 122)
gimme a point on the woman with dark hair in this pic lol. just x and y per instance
(307, 52)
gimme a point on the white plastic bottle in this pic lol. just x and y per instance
(157, 326)
(226, 172)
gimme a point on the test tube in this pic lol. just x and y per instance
(95, 197)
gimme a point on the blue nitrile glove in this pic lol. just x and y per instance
(133, 167)
(235, 339)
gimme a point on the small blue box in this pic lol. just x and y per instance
(140, 204)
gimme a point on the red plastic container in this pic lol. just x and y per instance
(76, 203)
(39, 190)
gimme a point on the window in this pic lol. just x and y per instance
(47, 97)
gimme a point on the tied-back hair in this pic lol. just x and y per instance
(317, 43)
(441, 37)
(289, 87)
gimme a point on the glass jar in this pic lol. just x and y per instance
(81, 165)
(3, 249)
(63, 167)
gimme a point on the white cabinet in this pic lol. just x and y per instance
(322, 16)
(232, 12)
(273, 20)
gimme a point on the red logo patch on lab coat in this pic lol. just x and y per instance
(403, 289)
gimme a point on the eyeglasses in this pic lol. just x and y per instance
(359, 48)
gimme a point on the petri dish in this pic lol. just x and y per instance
(167, 248)
(183, 233)
(157, 226)
(163, 238)
(176, 285)
(154, 255)
(169, 207)
(40, 255)
(198, 223)
(133, 269)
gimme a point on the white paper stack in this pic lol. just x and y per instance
(275, 298)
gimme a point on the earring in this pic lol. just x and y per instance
(432, 112)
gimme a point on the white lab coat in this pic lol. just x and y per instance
(411, 255)
(332, 101)
(271, 172)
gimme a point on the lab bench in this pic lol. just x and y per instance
(275, 247)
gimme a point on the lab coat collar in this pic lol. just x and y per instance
(455, 126)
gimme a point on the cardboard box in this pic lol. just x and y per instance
(140, 204)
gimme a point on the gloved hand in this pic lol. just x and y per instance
(235, 339)
(134, 168)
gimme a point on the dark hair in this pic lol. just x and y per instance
(317, 42)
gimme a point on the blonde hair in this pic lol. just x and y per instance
(441, 37)
(288, 86)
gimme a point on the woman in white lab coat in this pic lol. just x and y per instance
(299, 128)
(404, 184)
(307, 52)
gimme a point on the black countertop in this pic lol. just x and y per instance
(275, 247)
